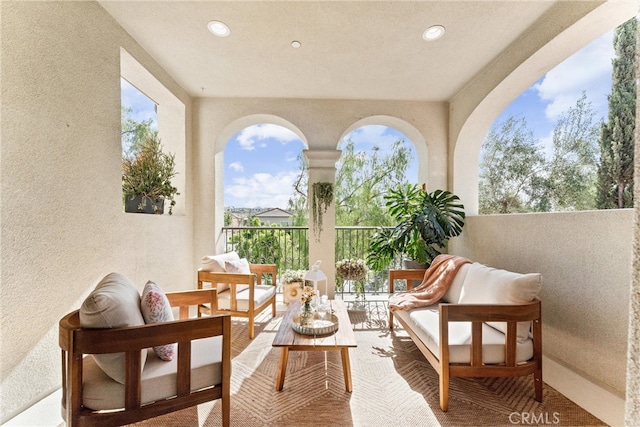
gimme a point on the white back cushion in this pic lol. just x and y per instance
(488, 285)
(216, 264)
(114, 303)
(453, 293)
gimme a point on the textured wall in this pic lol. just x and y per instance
(632, 409)
(62, 224)
(585, 261)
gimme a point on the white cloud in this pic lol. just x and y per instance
(236, 166)
(588, 70)
(261, 190)
(379, 135)
(249, 137)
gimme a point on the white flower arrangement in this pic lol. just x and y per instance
(293, 276)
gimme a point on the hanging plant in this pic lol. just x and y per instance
(322, 198)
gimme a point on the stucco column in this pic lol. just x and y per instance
(322, 247)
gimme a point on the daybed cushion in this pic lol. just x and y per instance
(114, 303)
(158, 376)
(488, 285)
(424, 322)
(156, 308)
(216, 264)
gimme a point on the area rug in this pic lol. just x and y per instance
(393, 385)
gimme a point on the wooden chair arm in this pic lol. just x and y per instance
(490, 312)
(408, 275)
(260, 269)
(135, 338)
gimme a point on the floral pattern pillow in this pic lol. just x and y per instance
(155, 308)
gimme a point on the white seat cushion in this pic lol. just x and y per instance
(158, 377)
(261, 294)
(424, 322)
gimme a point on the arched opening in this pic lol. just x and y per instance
(259, 159)
(553, 128)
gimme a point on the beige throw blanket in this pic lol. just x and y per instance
(436, 282)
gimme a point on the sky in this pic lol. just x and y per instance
(261, 161)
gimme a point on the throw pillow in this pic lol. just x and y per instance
(240, 266)
(155, 308)
(114, 303)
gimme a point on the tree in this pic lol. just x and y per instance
(510, 170)
(615, 174)
(297, 205)
(362, 181)
(572, 170)
(134, 132)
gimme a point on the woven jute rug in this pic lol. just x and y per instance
(393, 385)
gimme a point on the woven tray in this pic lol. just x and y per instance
(325, 326)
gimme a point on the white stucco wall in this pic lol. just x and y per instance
(585, 259)
(62, 223)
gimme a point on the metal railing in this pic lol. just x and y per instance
(288, 248)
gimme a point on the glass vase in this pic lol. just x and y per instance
(307, 313)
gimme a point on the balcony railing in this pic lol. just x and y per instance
(288, 248)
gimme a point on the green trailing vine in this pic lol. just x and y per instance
(322, 198)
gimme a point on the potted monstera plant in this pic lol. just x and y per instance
(146, 178)
(425, 223)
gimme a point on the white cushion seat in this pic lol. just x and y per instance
(425, 322)
(260, 295)
(158, 381)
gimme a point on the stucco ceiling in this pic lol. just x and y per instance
(349, 49)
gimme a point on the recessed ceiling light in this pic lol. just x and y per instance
(434, 32)
(295, 44)
(219, 28)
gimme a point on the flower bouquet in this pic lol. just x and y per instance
(306, 309)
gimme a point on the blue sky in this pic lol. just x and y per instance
(261, 161)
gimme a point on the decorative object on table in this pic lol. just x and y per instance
(307, 310)
(146, 178)
(315, 276)
(425, 223)
(318, 327)
(292, 284)
(354, 271)
(322, 199)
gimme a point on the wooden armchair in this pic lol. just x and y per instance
(182, 386)
(240, 295)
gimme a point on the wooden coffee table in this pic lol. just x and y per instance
(290, 340)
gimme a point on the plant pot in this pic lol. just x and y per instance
(291, 291)
(132, 205)
(409, 264)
